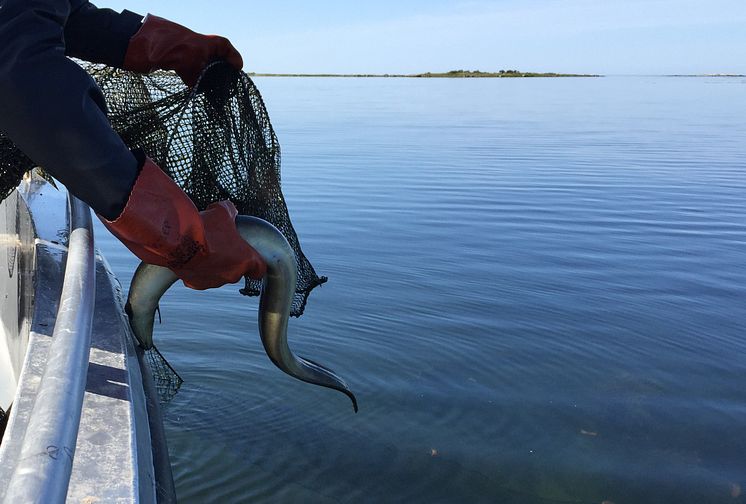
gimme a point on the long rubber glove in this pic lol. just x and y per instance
(161, 226)
(164, 45)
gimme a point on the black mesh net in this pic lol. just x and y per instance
(215, 141)
(3, 421)
(13, 164)
(165, 378)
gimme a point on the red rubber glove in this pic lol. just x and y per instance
(161, 226)
(164, 45)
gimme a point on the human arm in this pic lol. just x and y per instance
(99, 35)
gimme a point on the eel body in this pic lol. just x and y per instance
(151, 282)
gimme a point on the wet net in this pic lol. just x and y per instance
(3, 421)
(13, 164)
(165, 378)
(214, 140)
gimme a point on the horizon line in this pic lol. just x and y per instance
(444, 74)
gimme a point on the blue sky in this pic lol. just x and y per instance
(407, 36)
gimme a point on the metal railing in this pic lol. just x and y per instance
(42, 474)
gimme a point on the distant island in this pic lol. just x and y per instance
(453, 74)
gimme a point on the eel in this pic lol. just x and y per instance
(151, 282)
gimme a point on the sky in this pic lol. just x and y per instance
(412, 36)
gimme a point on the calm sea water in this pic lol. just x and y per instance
(537, 291)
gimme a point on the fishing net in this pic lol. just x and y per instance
(214, 140)
(165, 378)
(13, 164)
(3, 421)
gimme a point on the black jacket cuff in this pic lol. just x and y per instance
(100, 35)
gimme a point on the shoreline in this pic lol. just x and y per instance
(429, 75)
(476, 74)
(705, 75)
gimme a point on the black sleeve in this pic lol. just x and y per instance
(99, 35)
(53, 111)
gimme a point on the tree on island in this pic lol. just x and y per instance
(479, 72)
